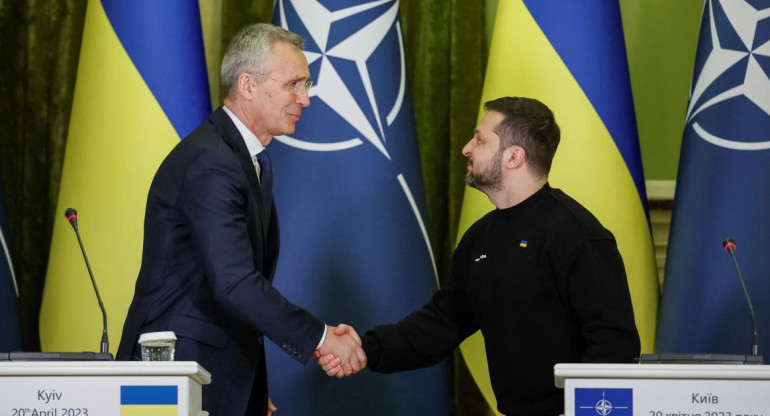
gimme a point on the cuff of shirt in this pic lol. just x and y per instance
(323, 338)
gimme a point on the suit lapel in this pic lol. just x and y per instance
(233, 138)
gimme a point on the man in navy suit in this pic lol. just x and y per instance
(211, 235)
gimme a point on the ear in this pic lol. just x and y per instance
(514, 157)
(243, 85)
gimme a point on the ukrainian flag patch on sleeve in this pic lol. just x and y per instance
(148, 401)
(523, 243)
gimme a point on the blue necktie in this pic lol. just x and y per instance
(266, 178)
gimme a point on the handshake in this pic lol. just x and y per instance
(341, 354)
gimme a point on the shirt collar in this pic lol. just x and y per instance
(251, 140)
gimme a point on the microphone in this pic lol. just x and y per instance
(72, 218)
(729, 245)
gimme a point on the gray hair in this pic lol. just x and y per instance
(250, 49)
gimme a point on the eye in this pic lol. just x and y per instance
(298, 86)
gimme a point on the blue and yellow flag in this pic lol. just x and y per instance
(10, 327)
(349, 193)
(722, 190)
(141, 86)
(571, 56)
(149, 401)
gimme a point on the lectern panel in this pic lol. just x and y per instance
(664, 389)
(101, 389)
(630, 397)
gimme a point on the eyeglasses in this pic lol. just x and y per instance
(295, 86)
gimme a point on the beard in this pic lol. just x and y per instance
(490, 176)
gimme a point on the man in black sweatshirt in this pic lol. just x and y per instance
(539, 276)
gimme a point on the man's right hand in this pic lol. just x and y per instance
(342, 344)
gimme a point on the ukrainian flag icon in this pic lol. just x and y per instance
(523, 243)
(148, 401)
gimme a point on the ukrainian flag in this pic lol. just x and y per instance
(141, 86)
(149, 401)
(572, 57)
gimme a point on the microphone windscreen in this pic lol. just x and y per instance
(72, 217)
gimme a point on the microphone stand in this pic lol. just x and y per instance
(729, 245)
(105, 344)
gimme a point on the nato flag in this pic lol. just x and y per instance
(10, 330)
(349, 194)
(723, 189)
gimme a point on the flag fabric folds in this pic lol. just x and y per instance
(10, 327)
(141, 86)
(722, 190)
(349, 193)
(572, 58)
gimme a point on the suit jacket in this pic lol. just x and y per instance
(210, 251)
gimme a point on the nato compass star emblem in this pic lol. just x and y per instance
(734, 76)
(352, 98)
(603, 402)
(603, 407)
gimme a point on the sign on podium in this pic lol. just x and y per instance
(664, 389)
(101, 388)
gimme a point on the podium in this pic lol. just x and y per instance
(664, 389)
(107, 388)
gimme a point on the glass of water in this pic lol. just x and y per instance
(158, 346)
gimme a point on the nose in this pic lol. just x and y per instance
(303, 97)
(467, 149)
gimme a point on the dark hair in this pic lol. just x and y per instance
(529, 124)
